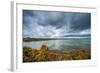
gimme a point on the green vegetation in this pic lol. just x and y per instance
(28, 39)
(44, 53)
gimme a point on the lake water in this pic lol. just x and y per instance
(65, 44)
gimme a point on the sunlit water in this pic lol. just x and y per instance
(65, 44)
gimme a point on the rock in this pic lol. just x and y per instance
(44, 47)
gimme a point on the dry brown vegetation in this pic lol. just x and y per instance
(44, 53)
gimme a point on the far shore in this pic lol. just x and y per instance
(28, 39)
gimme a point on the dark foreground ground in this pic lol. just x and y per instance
(44, 53)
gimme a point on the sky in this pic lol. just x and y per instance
(53, 24)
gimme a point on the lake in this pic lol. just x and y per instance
(62, 44)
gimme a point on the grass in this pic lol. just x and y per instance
(44, 53)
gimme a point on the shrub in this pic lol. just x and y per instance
(44, 53)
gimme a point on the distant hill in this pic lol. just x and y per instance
(76, 35)
(29, 39)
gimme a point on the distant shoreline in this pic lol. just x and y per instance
(28, 39)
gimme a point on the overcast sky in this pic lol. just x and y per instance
(40, 24)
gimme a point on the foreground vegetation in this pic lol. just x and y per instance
(44, 53)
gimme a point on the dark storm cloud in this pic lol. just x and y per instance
(81, 21)
(55, 24)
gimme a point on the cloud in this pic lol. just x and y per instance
(39, 24)
(85, 32)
